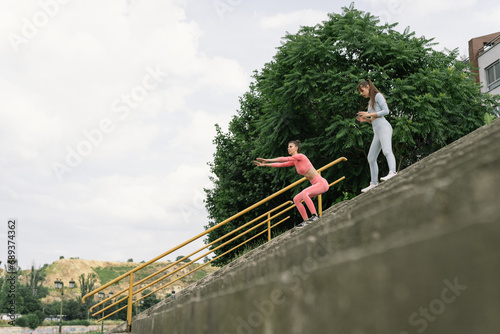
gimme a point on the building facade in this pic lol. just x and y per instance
(484, 54)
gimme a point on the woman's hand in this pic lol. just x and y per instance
(364, 116)
(260, 162)
(363, 119)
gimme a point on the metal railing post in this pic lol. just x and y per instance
(269, 227)
(320, 203)
(130, 304)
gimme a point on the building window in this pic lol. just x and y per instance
(493, 75)
(497, 111)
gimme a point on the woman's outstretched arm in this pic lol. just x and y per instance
(261, 162)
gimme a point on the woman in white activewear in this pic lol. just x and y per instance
(382, 131)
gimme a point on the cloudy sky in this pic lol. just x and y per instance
(108, 109)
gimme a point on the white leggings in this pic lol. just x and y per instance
(382, 141)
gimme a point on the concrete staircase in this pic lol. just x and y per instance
(419, 253)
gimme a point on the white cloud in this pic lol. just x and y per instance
(488, 18)
(196, 134)
(150, 168)
(124, 198)
(425, 7)
(394, 8)
(307, 17)
(222, 76)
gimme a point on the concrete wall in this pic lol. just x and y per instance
(418, 254)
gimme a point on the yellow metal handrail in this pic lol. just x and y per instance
(268, 217)
(187, 256)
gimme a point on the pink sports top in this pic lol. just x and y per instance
(301, 162)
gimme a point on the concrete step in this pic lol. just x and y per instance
(420, 252)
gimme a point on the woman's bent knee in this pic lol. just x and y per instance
(297, 198)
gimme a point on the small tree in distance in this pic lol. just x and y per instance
(180, 257)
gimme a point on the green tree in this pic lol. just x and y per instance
(21, 322)
(181, 257)
(87, 284)
(41, 316)
(32, 320)
(27, 302)
(53, 308)
(35, 281)
(4, 295)
(75, 309)
(308, 92)
(148, 301)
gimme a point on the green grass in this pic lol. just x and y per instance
(199, 274)
(109, 274)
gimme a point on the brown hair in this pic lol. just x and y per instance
(296, 143)
(373, 91)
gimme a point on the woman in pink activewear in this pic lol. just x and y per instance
(304, 167)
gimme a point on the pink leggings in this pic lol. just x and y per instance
(319, 186)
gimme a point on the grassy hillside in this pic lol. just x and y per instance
(67, 269)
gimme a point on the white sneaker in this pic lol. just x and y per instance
(369, 187)
(391, 174)
(313, 218)
(302, 225)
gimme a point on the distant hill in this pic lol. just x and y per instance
(67, 269)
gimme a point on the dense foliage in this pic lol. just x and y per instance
(28, 298)
(308, 92)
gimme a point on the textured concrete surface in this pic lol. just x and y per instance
(418, 254)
